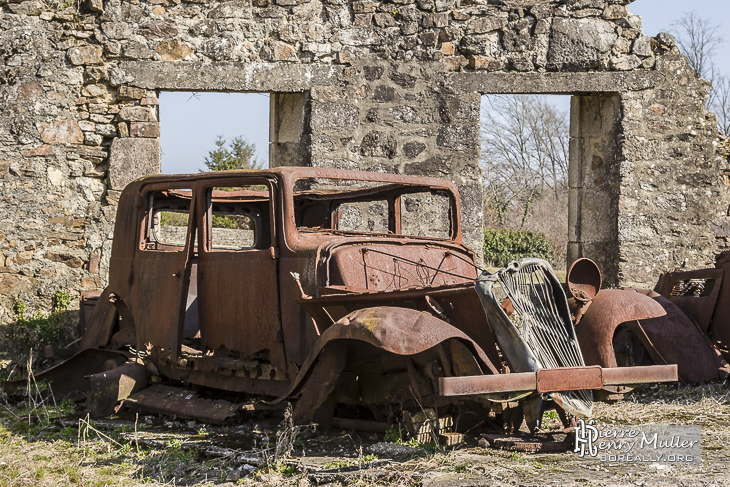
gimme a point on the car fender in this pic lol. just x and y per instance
(401, 331)
(668, 335)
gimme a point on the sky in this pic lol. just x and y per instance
(190, 122)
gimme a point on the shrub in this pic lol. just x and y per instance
(505, 245)
(34, 331)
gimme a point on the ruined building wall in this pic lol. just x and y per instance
(388, 86)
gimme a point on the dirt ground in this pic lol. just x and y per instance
(56, 445)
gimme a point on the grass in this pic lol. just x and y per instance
(55, 448)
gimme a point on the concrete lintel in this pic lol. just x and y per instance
(553, 83)
(228, 76)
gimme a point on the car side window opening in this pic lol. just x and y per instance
(237, 218)
(166, 223)
(364, 207)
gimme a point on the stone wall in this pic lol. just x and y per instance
(388, 86)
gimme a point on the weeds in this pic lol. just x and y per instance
(33, 331)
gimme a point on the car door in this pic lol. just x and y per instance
(238, 292)
(161, 265)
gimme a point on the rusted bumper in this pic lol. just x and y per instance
(560, 379)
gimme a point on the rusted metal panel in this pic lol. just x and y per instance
(400, 331)
(610, 308)
(107, 388)
(384, 267)
(694, 292)
(157, 303)
(239, 304)
(459, 304)
(568, 379)
(667, 334)
(99, 328)
(69, 379)
(720, 329)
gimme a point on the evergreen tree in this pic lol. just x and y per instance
(236, 154)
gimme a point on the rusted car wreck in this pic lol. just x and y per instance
(350, 294)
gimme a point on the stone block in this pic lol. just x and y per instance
(95, 5)
(137, 50)
(412, 149)
(379, 144)
(41, 150)
(15, 284)
(447, 49)
(29, 91)
(335, 116)
(454, 63)
(383, 94)
(579, 43)
(364, 7)
(130, 93)
(174, 50)
(136, 114)
(159, 29)
(204, 28)
(384, 19)
(91, 138)
(131, 158)
(60, 132)
(279, 51)
(434, 166)
(116, 30)
(83, 55)
(373, 72)
(30, 8)
(237, 9)
(615, 12)
(144, 129)
(483, 62)
(458, 137)
(642, 46)
(70, 260)
(483, 44)
(482, 25)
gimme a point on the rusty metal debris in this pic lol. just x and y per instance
(537, 443)
(704, 296)
(382, 316)
(182, 403)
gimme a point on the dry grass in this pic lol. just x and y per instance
(57, 450)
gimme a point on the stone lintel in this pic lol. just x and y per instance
(553, 83)
(229, 76)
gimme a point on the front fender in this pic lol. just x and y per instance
(401, 331)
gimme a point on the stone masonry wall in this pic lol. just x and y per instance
(379, 85)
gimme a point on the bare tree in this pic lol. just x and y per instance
(524, 153)
(698, 38)
(719, 102)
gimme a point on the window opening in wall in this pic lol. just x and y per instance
(525, 154)
(203, 131)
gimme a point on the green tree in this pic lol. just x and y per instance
(236, 154)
